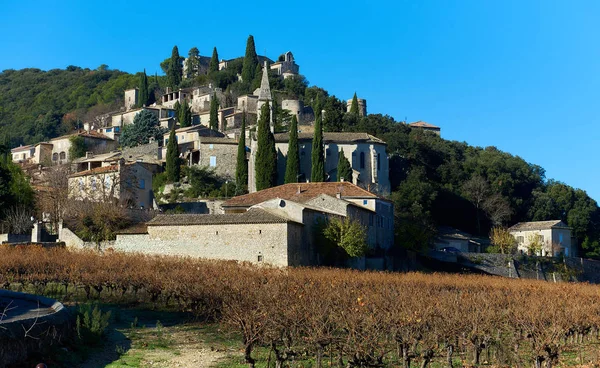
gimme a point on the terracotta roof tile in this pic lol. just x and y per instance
(332, 137)
(300, 193)
(423, 124)
(254, 216)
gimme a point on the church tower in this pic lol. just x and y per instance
(264, 96)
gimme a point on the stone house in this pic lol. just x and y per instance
(255, 236)
(286, 66)
(122, 118)
(425, 126)
(450, 237)
(338, 198)
(94, 141)
(23, 153)
(129, 183)
(554, 236)
(366, 153)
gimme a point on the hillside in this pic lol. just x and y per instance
(435, 181)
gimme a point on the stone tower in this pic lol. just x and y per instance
(264, 96)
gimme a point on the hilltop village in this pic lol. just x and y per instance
(254, 174)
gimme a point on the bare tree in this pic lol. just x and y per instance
(477, 191)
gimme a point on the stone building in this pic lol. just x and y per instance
(554, 236)
(131, 98)
(129, 183)
(286, 66)
(304, 114)
(366, 153)
(426, 127)
(275, 226)
(265, 96)
(362, 106)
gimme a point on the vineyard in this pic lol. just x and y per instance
(331, 317)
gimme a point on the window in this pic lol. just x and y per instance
(94, 183)
(541, 238)
(117, 129)
(108, 130)
(107, 182)
(183, 137)
(260, 231)
(63, 156)
(365, 202)
(142, 184)
(260, 258)
(80, 184)
(213, 161)
(362, 160)
(378, 162)
(55, 156)
(520, 239)
(210, 146)
(560, 238)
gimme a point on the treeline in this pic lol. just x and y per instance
(36, 105)
(333, 317)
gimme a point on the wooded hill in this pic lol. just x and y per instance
(434, 181)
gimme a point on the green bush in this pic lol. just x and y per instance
(91, 323)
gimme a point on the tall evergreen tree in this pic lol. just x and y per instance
(153, 87)
(266, 156)
(173, 165)
(177, 108)
(250, 61)
(354, 106)
(214, 62)
(144, 93)
(192, 64)
(292, 165)
(213, 121)
(241, 170)
(318, 155)
(344, 169)
(175, 70)
(184, 115)
(317, 107)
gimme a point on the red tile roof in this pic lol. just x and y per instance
(299, 192)
(423, 124)
(98, 170)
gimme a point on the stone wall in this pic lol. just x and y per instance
(255, 243)
(225, 158)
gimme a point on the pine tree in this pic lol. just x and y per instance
(344, 168)
(266, 156)
(318, 157)
(173, 167)
(250, 61)
(214, 62)
(213, 121)
(241, 171)
(174, 72)
(354, 106)
(144, 94)
(292, 165)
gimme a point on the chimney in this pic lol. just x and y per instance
(299, 190)
(308, 180)
(168, 90)
(342, 179)
(89, 154)
(338, 195)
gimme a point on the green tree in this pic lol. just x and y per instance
(503, 240)
(292, 165)
(214, 62)
(174, 72)
(213, 121)
(78, 147)
(344, 168)
(192, 63)
(347, 234)
(145, 126)
(317, 173)
(173, 162)
(266, 156)
(241, 170)
(144, 93)
(184, 114)
(250, 61)
(354, 106)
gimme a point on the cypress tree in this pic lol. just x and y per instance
(173, 167)
(344, 168)
(184, 115)
(214, 62)
(213, 121)
(318, 157)
(354, 106)
(144, 94)
(250, 61)
(241, 170)
(317, 107)
(266, 156)
(177, 108)
(292, 165)
(175, 70)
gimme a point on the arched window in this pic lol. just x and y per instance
(362, 160)
(63, 155)
(55, 156)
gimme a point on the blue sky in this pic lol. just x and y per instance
(519, 75)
